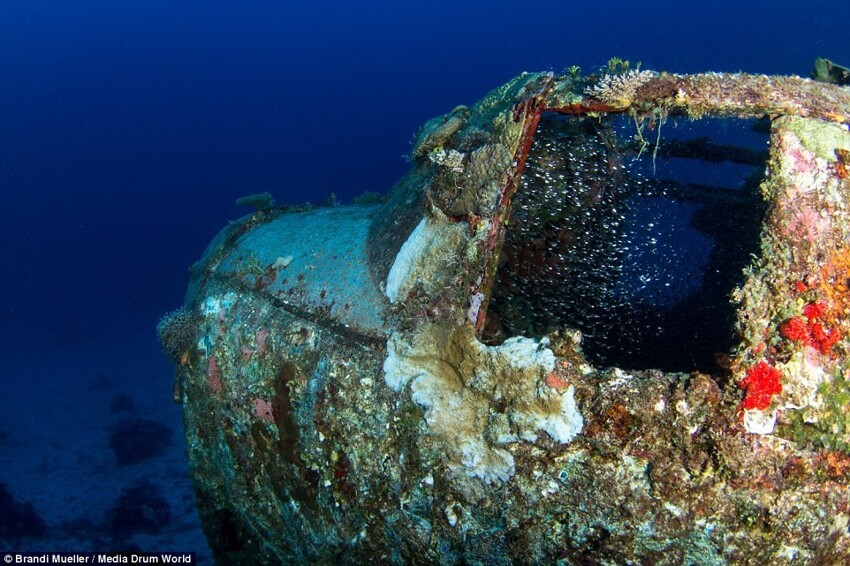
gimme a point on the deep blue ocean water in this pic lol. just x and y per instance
(128, 130)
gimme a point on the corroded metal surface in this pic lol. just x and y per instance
(341, 403)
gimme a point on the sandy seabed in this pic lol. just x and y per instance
(58, 409)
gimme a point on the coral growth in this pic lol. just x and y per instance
(263, 409)
(821, 324)
(261, 336)
(834, 286)
(451, 159)
(811, 332)
(481, 400)
(214, 374)
(795, 329)
(176, 332)
(520, 450)
(761, 383)
(823, 340)
(619, 90)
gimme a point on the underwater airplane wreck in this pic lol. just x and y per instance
(499, 363)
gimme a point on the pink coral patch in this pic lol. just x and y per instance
(261, 337)
(263, 409)
(809, 224)
(214, 374)
(555, 381)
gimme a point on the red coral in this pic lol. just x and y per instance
(814, 311)
(822, 340)
(812, 333)
(761, 383)
(795, 329)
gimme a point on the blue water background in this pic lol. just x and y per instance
(128, 130)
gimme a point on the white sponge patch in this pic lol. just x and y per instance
(481, 399)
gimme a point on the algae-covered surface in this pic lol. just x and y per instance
(457, 376)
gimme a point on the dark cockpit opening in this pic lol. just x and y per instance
(633, 236)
